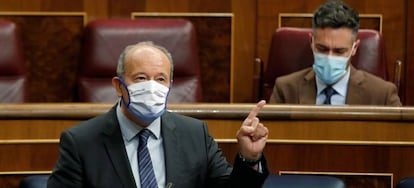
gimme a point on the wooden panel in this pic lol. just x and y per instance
(41, 5)
(19, 160)
(345, 162)
(359, 165)
(123, 9)
(96, 9)
(244, 49)
(10, 5)
(168, 5)
(52, 5)
(50, 60)
(296, 157)
(364, 170)
(211, 5)
(28, 156)
(214, 39)
(201, 6)
(32, 129)
(409, 63)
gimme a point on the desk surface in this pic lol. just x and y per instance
(286, 123)
(214, 111)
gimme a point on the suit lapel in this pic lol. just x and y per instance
(307, 89)
(117, 152)
(170, 148)
(355, 92)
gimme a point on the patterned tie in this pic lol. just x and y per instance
(328, 91)
(146, 172)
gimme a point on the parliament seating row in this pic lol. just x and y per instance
(103, 43)
(104, 40)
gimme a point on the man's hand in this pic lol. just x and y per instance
(252, 135)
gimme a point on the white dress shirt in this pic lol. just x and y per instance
(129, 131)
(340, 87)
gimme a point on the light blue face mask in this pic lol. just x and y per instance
(330, 68)
(146, 100)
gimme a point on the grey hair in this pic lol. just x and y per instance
(120, 70)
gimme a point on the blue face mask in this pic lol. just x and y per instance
(330, 68)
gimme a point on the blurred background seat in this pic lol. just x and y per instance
(106, 39)
(34, 181)
(12, 70)
(290, 51)
(407, 182)
(302, 181)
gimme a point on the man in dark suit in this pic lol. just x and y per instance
(104, 151)
(333, 80)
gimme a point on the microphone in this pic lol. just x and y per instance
(169, 185)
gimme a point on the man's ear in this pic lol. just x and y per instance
(357, 42)
(310, 40)
(116, 83)
(171, 82)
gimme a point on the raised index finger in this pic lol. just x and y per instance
(256, 109)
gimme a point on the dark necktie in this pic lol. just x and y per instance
(146, 172)
(328, 91)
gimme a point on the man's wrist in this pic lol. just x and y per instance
(250, 162)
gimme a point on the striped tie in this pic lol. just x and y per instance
(146, 172)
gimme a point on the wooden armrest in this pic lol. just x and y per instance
(397, 74)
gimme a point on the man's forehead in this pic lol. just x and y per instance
(144, 49)
(148, 59)
(334, 38)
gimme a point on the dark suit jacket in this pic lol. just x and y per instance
(363, 89)
(93, 155)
